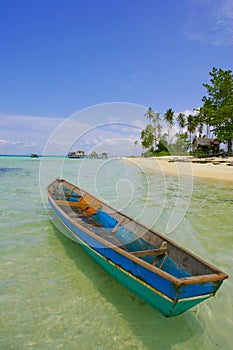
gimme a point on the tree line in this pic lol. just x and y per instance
(214, 116)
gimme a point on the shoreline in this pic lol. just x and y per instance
(215, 169)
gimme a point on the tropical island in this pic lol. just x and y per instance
(204, 137)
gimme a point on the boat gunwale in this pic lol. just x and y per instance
(152, 288)
(218, 276)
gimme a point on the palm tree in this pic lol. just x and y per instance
(200, 119)
(135, 147)
(150, 114)
(200, 128)
(154, 119)
(181, 122)
(191, 126)
(159, 129)
(203, 120)
(168, 117)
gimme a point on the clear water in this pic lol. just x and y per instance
(53, 296)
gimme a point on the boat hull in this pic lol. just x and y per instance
(164, 298)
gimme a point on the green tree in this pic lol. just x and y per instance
(191, 126)
(150, 115)
(148, 136)
(181, 122)
(181, 145)
(152, 132)
(168, 117)
(158, 126)
(162, 146)
(200, 129)
(201, 122)
(135, 147)
(217, 109)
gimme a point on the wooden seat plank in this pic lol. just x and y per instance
(151, 252)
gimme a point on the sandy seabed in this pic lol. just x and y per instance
(216, 169)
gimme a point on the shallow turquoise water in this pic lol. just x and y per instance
(53, 296)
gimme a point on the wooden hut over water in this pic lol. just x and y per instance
(94, 155)
(76, 154)
(104, 155)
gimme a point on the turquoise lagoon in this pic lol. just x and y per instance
(54, 296)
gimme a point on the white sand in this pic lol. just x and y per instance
(184, 166)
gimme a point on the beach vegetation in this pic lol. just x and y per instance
(151, 136)
(181, 146)
(191, 125)
(181, 122)
(148, 136)
(212, 121)
(152, 133)
(158, 143)
(162, 146)
(217, 109)
(135, 147)
(169, 118)
(149, 152)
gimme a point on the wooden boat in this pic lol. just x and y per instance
(165, 275)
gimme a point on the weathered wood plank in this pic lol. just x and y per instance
(151, 252)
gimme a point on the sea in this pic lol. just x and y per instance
(54, 296)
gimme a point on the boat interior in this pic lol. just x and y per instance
(125, 233)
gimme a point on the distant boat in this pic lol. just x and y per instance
(76, 154)
(165, 275)
(33, 155)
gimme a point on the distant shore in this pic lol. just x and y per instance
(209, 168)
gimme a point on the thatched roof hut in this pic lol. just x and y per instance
(94, 155)
(205, 144)
(105, 155)
(76, 154)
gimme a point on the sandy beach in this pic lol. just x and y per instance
(216, 169)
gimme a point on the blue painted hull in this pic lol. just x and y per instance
(158, 290)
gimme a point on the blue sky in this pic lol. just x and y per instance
(58, 57)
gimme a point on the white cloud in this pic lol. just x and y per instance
(17, 147)
(27, 134)
(111, 138)
(4, 142)
(210, 22)
(87, 130)
(186, 112)
(30, 134)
